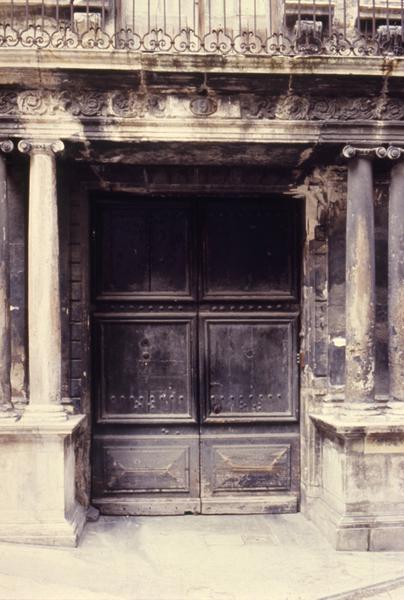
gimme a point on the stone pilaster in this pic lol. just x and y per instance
(44, 319)
(6, 405)
(360, 277)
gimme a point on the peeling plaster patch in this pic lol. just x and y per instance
(339, 342)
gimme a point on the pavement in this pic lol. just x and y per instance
(252, 557)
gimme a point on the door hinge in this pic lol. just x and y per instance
(300, 359)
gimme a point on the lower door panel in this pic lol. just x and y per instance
(146, 475)
(256, 473)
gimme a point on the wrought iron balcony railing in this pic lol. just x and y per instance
(249, 27)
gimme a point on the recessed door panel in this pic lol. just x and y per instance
(147, 367)
(143, 250)
(133, 474)
(249, 472)
(247, 251)
(249, 368)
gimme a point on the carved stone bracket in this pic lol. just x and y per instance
(353, 152)
(40, 146)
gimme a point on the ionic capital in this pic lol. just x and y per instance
(394, 152)
(41, 146)
(6, 146)
(353, 152)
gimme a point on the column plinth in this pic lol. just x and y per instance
(44, 319)
(360, 281)
(6, 405)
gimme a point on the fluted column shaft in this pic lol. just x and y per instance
(360, 283)
(44, 319)
(6, 406)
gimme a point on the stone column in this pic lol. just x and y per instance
(6, 405)
(396, 280)
(44, 319)
(360, 278)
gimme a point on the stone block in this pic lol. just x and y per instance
(37, 466)
(360, 498)
(387, 538)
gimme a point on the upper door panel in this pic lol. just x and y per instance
(248, 251)
(143, 251)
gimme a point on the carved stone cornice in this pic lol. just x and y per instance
(41, 146)
(352, 152)
(6, 146)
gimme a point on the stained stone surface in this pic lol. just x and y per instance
(199, 558)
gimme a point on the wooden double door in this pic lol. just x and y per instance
(195, 311)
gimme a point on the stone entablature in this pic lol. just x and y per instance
(128, 104)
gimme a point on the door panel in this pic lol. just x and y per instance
(161, 354)
(195, 325)
(143, 251)
(249, 473)
(248, 368)
(151, 474)
(247, 251)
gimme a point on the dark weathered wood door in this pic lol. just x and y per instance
(195, 380)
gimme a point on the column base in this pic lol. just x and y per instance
(396, 407)
(8, 413)
(360, 496)
(37, 495)
(64, 533)
(40, 413)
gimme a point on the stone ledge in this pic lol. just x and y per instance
(115, 60)
(358, 425)
(11, 427)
